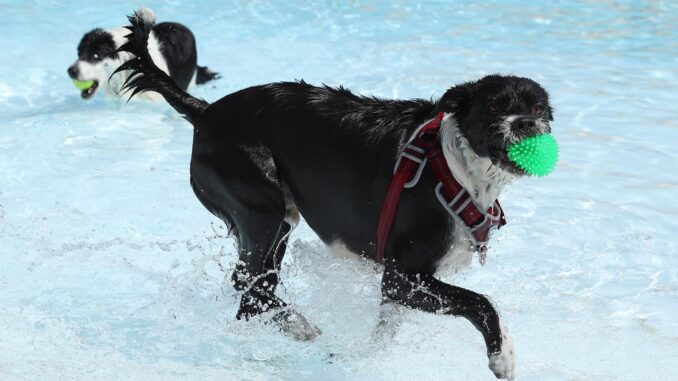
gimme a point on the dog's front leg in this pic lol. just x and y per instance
(424, 292)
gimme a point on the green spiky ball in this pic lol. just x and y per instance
(83, 85)
(536, 155)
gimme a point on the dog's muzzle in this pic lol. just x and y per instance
(73, 71)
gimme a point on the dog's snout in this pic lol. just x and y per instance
(523, 124)
(73, 71)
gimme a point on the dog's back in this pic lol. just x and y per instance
(177, 45)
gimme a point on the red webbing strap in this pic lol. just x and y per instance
(454, 198)
(469, 214)
(459, 202)
(390, 205)
(402, 175)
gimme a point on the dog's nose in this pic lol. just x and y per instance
(73, 71)
(523, 124)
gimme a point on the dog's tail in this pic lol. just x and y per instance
(204, 74)
(146, 76)
(146, 14)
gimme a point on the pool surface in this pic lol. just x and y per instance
(110, 269)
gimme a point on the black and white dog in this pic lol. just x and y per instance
(171, 46)
(267, 154)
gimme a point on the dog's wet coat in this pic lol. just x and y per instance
(263, 151)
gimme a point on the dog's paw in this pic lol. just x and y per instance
(295, 325)
(503, 363)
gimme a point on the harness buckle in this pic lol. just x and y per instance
(480, 233)
(412, 157)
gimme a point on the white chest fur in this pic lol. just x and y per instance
(482, 180)
(478, 175)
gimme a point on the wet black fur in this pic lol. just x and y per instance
(332, 153)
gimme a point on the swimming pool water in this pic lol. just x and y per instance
(111, 269)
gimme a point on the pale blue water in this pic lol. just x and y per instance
(110, 269)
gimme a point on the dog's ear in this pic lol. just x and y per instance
(458, 100)
(551, 113)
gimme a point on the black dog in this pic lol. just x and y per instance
(265, 154)
(171, 46)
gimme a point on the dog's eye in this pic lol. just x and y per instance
(537, 109)
(96, 57)
(494, 107)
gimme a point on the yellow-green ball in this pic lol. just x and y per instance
(83, 85)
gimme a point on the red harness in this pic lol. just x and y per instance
(453, 197)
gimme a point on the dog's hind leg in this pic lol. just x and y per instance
(241, 186)
(257, 270)
(424, 292)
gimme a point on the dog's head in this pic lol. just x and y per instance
(496, 111)
(97, 59)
